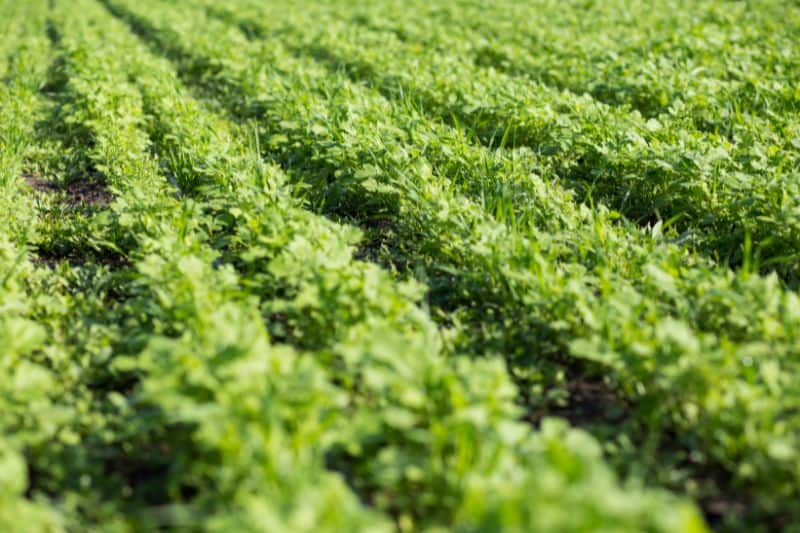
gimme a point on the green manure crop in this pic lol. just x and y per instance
(399, 266)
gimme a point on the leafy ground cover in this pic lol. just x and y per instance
(329, 266)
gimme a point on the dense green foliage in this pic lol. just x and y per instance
(270, 266)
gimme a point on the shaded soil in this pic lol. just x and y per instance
(52, 258)
(589, 402)
(78, 192)
(84, 195)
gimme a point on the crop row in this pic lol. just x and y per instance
(28, 414)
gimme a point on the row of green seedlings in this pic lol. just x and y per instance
(715, 194)
(655, 319)
(708, 65)
(58, 420)
(30, 414)
(256, 427)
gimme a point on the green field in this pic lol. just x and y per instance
(440, 265)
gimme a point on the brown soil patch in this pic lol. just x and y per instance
(79, 192)
(589, 402)
(51, 259)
